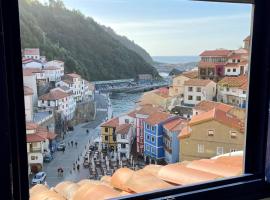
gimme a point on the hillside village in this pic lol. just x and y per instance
(200, 115)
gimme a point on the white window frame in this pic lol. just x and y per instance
(200, 148)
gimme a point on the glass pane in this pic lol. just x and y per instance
(133, 96)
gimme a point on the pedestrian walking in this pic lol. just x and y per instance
(78, 167)
(62, 172)
(76, 144)
(87, 131)
(68, 144)
(74, 166)
(72, 143)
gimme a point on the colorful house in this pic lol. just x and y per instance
(171, 130)
(108, 134)
(153, 137)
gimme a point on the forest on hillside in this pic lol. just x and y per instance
(87, 48)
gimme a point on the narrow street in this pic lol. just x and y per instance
(71, 154)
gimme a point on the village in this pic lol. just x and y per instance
(199, 115)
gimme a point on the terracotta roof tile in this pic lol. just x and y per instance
(150, 178)
(34, 138)
(157, 118)
(73, 75)
(182, 175)
(31, 126)
(218, 53)
(148, 109)
(231, 81)
(123, 128)
(132, 113)
(190, 74)
(31, 71)
(31, 51)
(111, 123)
(175, 124)
(206, 105)
(54, 95)
(197, 82)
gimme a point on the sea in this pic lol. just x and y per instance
(175, 59)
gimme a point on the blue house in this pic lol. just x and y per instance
(171, 130)
(153, 137)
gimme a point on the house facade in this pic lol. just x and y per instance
(153, 137)
(108, 134)
(29, 80)
(60, 101)
(38, 144)
(171, 130)
(124, 139)
(28, 104)
(211, 134)
(177, 88)
(196, 90)
(233, 91)
(52, 73)
(211, 65)
(32, 53)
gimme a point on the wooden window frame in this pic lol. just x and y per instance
(251, 185)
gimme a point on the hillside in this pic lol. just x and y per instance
(85, 46)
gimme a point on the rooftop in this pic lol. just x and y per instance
(191, 74)
(232, 81)
(73, 75)
(31, 51)
(203, 64)
(217, 52)
(111, 123)
(31, 71)
(157, 118)
(152, 177)
(197, 82)
(54, 94)
(206, 105)
(123, 128)
(175, 124)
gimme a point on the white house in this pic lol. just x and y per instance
(28, 103)
(31, 63)
(53, 73)
(38, 141)
(56, 63)
(39, 74)
(33, 53)
(124, 139)
(233, 91)
(29, 80)
(237, 63)
(59, 100)
(196, 90)
(76, 83)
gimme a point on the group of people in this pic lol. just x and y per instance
(60, 171)
(72, 142)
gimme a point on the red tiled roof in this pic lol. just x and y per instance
(220, 116)
(231, 81)
(126, 181)
(54, 95)
(111, 123)
(132, 113)
(163, 92)
(34, 138)
(190, 74)
(206, 105)
(157, 118)
(123, 128)
(175, 124)
(197, 82)
(148, 109)
(218, 53)
(31, 51)
(31, 126)
(27, 91)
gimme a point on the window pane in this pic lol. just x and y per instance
(119, 88)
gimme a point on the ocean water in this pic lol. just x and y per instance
(123, 102)
(176, 59)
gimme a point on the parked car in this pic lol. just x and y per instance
(39, 178)
(61, 146)
(47, 158)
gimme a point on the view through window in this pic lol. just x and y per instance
(124, 97)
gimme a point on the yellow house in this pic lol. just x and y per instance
(177, 88)
(159, 97)
(210, 134)
(108, 135)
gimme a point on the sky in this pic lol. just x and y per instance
(172, 27)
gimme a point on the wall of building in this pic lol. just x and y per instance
(30, 81)
(28, 106)
(199, 135)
